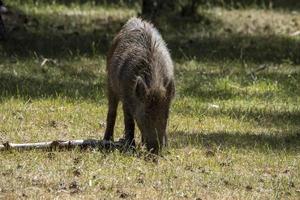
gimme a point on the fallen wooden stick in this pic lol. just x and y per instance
(69, 144)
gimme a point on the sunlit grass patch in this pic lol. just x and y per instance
(85, 10)
(259, 21)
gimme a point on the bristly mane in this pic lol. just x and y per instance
(156, 52)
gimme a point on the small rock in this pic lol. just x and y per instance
(213, 106)
(53, 124)
(226, 182)
(62, 186)
(225, 163)
(123, 195)
(141, 180)
(24, 195)
(249, 187)
(73, 185)
(286, 171)
(102, 124)
(209, 153)
(19, 166)
(76, 172)
(189, 168)
(76, 160)
(51, 155)
(291, 184)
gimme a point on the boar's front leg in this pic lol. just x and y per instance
(129, 125)
(113, 102)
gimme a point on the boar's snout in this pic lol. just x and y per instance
(152, 124)
(152, 112)
(154, 139)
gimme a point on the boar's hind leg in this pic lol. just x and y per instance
(129, 125)
(113, 101)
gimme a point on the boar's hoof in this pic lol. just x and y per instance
(107, 144)
(126, 144)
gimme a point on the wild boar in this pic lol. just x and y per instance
(140, 74)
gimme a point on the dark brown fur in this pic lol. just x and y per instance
(140, 75)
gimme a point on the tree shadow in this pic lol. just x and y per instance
(205, 89)
(58, 46)
(95, 2)
(204, 85)
(277, 4)
(28, 87)
(281, 4)
(249, 48)
(58, 40)
(43, 35)
(207, 37)
(222, 140)
(264, 117)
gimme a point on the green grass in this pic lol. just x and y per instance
(234, 130)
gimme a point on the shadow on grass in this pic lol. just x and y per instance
(256, 49)
(261, 141)
(208, 86)
(58, 41)
(265, 117)
(278, 4)
(30, 88)
(281, 4)
(95, 2)
(57, 46)
(207, 37)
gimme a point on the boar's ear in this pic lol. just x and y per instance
(140, 89)
(170, 87)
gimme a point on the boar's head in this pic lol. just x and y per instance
(152, 112)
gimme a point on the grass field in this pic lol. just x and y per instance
(234, 130)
